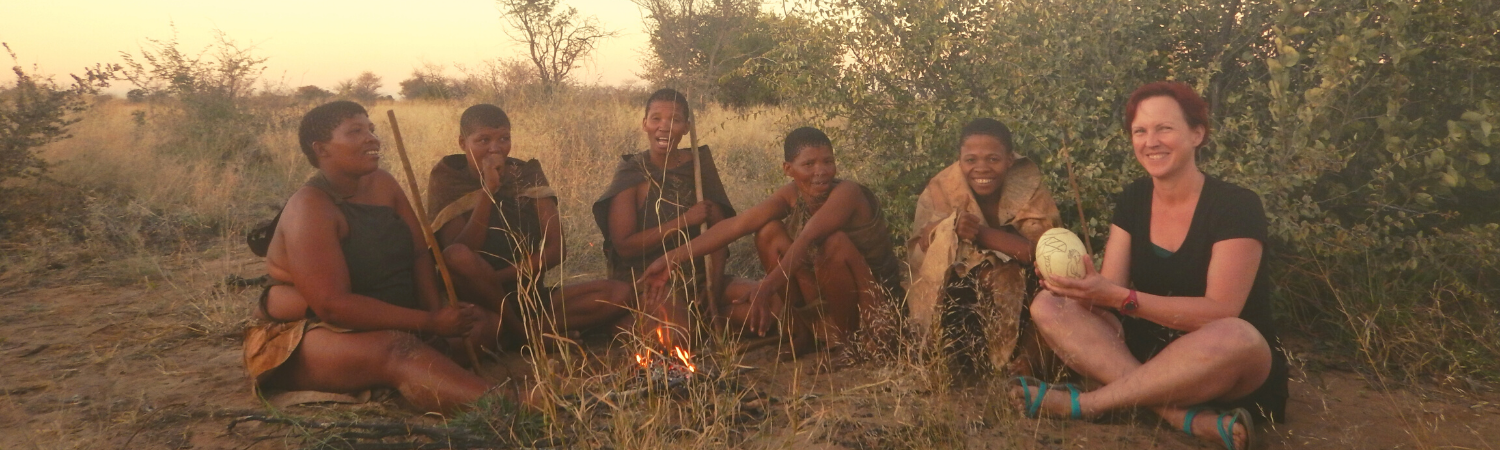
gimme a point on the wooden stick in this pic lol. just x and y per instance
(432, 244)
(708, 259)
(1077, 199)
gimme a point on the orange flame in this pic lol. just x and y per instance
(686, 358)
(682, 355)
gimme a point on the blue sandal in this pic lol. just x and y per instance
(1226, 432)
(1034, 403)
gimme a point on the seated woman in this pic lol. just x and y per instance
(1179, 318)
(979, 220)
(651, 206)
(826, 233)
(497, 221)
(353, 282)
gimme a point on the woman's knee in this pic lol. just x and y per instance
(770, 235)
(461, 259)
(839, 244)
(1047, 309)
(1235, 336)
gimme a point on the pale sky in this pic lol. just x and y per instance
(318, 42)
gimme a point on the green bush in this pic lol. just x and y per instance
(203, 96)
(34, 112)
(1365, 126)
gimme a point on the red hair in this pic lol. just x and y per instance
(1194, 109)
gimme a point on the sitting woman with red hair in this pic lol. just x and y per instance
(1178, 319)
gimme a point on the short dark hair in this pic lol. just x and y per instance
(671, 95)
(481, 115)
(802, 138)
(319, 123)
(985, 126)
(1194, 109)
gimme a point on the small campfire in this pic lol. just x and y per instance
(667, 369)
(671, 372)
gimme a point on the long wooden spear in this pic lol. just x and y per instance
(432, 244)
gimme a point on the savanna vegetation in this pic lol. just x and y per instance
(1367, 127)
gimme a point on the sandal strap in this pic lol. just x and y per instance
(1187, 421)
(1226, 432)
(1033, 402)
(1077, 412)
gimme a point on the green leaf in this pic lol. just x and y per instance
(1447, 179)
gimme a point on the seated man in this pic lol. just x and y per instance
(978, 222)
(825, 233)
(353, 285)
(651, 206)
(497, 221)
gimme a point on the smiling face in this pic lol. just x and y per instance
(813, 170)
(984, 161)
(485, 141)
(1164, 143)
(664, 124)
(354, 148)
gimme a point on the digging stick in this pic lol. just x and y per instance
(1073, 183)
(432, 244)
(708, 260)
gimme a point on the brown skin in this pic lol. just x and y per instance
(664, 125)
(786, 257)
(1219, 358)
(575, 307)
(305, 252)
(985, 162)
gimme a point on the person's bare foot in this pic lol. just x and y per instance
(1057, 400)
(1205, 428)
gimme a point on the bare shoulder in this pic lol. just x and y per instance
(785, 195)
(850, 193)
(385, 187)
(307, 201)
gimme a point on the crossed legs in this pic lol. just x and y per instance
(1224, 360)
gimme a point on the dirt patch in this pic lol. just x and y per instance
(156, 364)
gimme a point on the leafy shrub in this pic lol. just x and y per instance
(37, 111)
(204, 94)
(429, 83)
(1365, 126)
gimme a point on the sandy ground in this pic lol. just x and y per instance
(156, 364)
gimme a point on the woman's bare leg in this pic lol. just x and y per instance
(478, 283)
(587, 305)
(286, 304)
(350, 362)
(771, 243)
(848, 287)
(1224, 360)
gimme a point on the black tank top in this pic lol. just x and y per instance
(377, 250)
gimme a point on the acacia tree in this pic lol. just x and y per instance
(556, 39)
(364, 88)
(703, 46)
